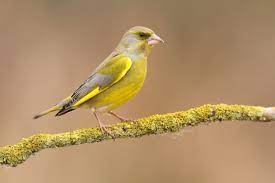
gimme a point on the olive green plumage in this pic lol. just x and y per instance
(117, 79)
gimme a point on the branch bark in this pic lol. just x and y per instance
(13, 155)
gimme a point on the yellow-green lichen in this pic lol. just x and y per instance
(14, 155)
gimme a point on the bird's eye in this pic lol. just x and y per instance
(142, 34)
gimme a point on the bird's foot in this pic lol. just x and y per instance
(122, 119)
(104, 129)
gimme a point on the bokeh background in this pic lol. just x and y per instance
(216, 51)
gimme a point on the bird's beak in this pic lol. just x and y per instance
(154, 39)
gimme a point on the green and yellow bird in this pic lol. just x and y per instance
(116, 80)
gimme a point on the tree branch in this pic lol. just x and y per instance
(13, 155)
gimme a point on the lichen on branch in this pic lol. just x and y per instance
(13, 155)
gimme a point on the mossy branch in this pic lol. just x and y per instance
(13, 155)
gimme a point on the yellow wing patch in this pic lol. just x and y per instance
(120, 68)
(87, 97)
(116, 67)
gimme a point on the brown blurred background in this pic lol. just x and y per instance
(216, 51)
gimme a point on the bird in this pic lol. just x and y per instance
(116, 80)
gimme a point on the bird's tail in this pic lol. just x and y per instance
(57, 107)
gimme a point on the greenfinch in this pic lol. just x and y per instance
(116, 80)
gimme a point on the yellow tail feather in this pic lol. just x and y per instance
(55, 108)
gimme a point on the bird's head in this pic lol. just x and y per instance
(139, 40)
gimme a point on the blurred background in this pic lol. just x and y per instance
(216, 51)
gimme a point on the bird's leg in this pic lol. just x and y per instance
(102, 126)
(122, 119)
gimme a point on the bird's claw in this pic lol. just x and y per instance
(104, 129)
(122, 120)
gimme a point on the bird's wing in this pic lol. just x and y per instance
(108, 73)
